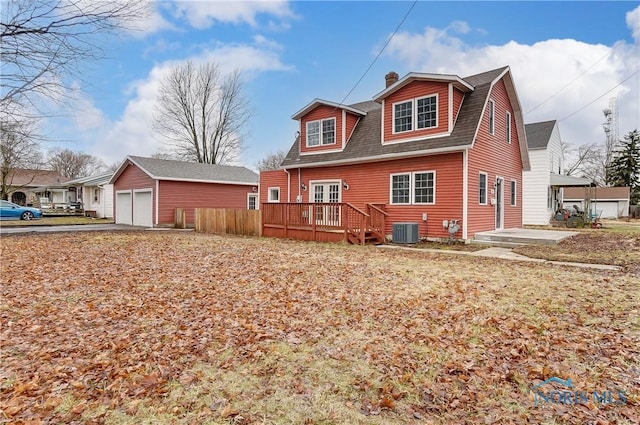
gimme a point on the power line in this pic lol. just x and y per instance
(379, 53)
(601, 96)
(575, 79)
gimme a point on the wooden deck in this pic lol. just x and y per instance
(324, 222)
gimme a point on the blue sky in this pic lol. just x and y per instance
(293, 52)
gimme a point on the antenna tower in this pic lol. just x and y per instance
(611, 130)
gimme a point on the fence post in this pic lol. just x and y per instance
(180, 221)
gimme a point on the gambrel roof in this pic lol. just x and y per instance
(164, 169)
(365, 143)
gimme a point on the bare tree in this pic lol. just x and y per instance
(581, 159)
(74, 164)
(202, 115)
(18, 151)
(43, 42)
(272, 161)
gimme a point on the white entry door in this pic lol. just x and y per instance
(326, 192)
(499, 203)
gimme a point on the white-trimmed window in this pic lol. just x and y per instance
(96, 194)
(513, 192)
(509, 127)
(252, 201)
(417, 188)
(401, 189)
(492, 116)
(482, 188)
(321, 132)
(422, 111)
(427, 111)
(403, 117)
(273, 194)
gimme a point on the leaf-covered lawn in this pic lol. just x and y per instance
(175, 328)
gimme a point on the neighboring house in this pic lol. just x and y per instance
(147, 191)
(428, 148)
(543, 183)
(607, 202)
(94, 194)
(29, 187)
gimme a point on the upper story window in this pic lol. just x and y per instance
(508, 127)
(422, 111)
(426, 112)
(492, 116)
(321, 132)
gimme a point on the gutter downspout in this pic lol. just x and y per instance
(288, 185)
(299, 184)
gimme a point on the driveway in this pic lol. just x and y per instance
(67, 228)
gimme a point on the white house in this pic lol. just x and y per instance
(542, 184)
(95, 194)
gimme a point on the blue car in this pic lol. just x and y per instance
(11, 211)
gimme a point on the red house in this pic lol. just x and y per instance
(429, 149)
(147, 191)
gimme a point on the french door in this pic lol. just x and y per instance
(326, 193)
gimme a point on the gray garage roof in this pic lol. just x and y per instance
(365, 143)
(538, 134)
(163, 169)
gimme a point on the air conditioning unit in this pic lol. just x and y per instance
(404, 233)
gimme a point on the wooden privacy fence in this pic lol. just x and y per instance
(232, 221)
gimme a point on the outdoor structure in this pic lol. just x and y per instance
(606, 202)
(147, 191)
(543, 183)
(28, 187)
(94, 195)
(432, 155)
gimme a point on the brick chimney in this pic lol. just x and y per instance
(391, 78)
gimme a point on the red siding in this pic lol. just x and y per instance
(492, 154)
(370, 183)
(133, 178)
(321, 112)
(351, 122)
(412, 91)
(273, 178)
(458, 97)
(190, 195)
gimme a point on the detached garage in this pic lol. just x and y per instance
(147, 191)
(609, 202)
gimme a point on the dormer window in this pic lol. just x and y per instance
(321, 132)
(423, 111)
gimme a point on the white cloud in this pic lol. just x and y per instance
(540, 70)
(203, 14)
(633, 23)
(132, 134)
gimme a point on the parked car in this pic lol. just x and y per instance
(11, 211)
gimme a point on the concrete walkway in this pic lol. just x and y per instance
(525, 236)
(505, 254)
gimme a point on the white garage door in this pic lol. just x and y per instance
(142, 209)
(123, 208)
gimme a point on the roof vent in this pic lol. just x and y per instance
(391, 78)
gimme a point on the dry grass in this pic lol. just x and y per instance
(174, 328)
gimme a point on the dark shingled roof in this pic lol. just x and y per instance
(365, 145)
(538, 134)
(163, 169)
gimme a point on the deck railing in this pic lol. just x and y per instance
(320, 216)
(378, 219)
